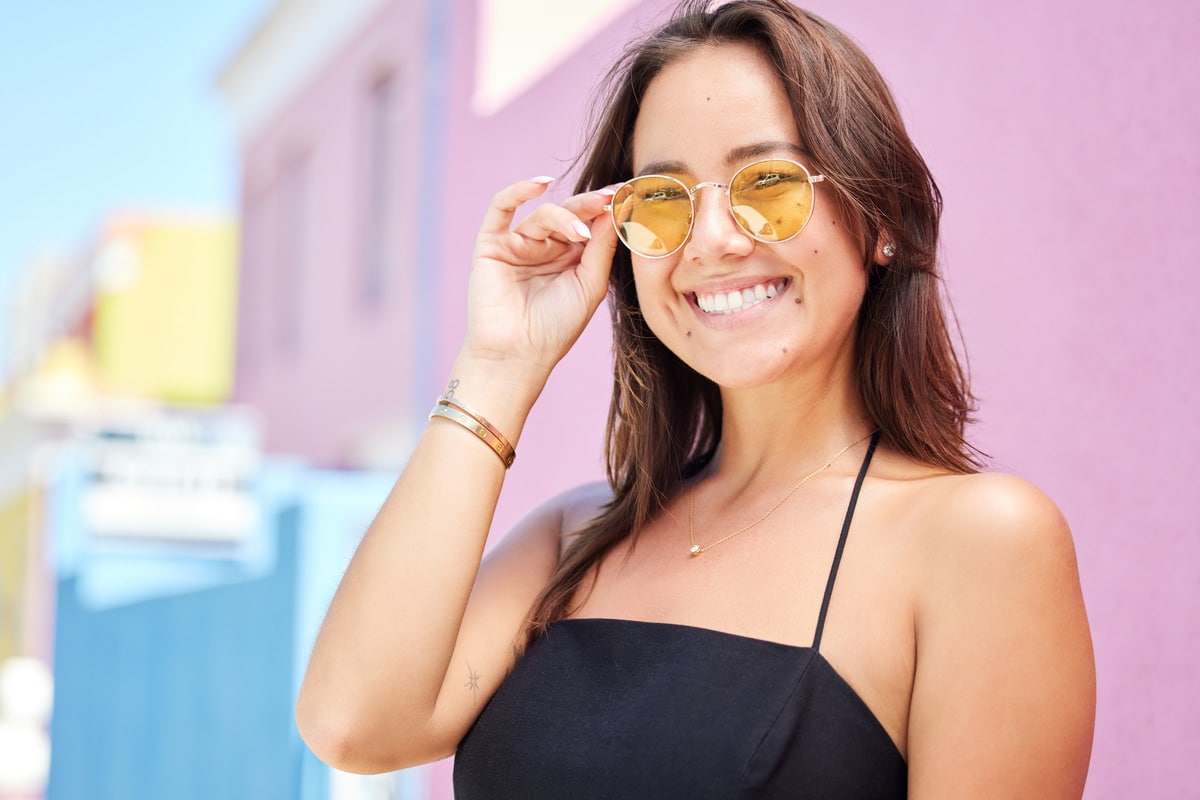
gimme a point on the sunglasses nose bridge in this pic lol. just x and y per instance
(694, 193)
(715, 224)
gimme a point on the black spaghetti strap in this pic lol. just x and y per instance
(837, 556)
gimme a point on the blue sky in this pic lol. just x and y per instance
(109, 106)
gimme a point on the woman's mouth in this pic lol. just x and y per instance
(738, 300)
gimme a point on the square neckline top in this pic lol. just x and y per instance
(607, 708)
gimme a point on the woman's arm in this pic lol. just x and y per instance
(418, 636)
(1004, 696)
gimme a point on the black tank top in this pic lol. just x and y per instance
(611, 708)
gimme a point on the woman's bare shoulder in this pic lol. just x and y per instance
(522, 562)
(991, 512)
(968, 531)
(951, 512)
(1002, 640)
(582, 504)
(551, 524)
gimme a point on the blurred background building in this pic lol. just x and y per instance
(200, 414)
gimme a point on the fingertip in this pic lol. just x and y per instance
(583, 231)
(603, 242)
(543, 179)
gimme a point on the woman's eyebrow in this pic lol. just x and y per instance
(746, 152)
(661, 167)
(735, 157)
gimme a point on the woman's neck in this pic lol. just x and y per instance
(787, 427)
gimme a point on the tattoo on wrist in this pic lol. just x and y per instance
(450, 387)
(472, 682)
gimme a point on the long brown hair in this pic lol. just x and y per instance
(664, 422)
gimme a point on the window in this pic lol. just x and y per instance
(255, 268)
(380, 242)
(292, 256)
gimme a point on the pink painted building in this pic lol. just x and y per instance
(375, 131)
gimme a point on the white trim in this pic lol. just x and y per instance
(293, 42)
(520, 42)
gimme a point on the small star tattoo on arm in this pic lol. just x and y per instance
(472, 682)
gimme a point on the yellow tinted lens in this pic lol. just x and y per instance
(653, 215)
(772, 200)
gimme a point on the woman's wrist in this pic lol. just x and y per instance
(501, 390)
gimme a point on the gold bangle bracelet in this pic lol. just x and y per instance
(448, 400)
(492, 438)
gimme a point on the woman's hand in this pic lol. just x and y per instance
(535, 286)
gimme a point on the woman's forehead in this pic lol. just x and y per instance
(717, 106)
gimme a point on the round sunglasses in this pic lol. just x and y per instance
(771, 200)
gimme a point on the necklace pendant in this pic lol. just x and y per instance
(696, 550)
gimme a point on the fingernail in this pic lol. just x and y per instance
(543, 179)
(607, 191)
(581, 229)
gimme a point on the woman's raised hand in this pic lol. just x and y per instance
(534, 286)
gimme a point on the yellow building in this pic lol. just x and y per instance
(165, 308)
(14, 555)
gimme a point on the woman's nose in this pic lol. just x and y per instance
(715, 233)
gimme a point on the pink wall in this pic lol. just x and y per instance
(344, 364)
(1064, 138)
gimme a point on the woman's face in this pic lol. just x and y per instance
(702, 118)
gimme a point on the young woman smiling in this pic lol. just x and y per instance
(795, 582)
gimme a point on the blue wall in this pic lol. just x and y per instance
(188, 696)
(176, 675)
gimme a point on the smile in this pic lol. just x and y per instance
(740, 299)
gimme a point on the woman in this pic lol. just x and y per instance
(787, 411)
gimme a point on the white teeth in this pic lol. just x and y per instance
(735, 301)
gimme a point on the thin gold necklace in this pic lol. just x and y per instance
(696, 550)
